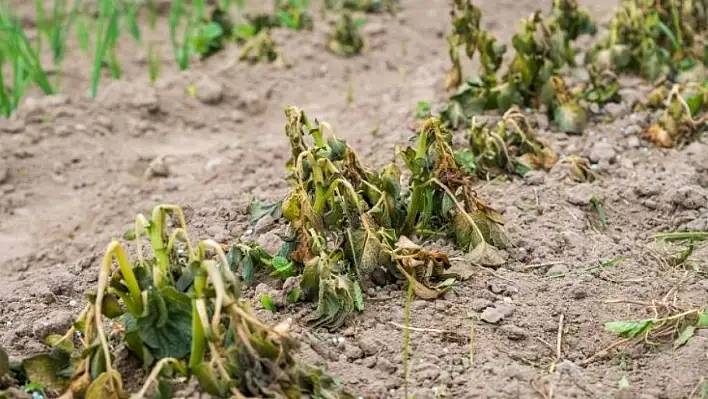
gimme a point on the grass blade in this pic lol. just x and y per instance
(131, 17)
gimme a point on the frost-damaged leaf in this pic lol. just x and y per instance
(419, 289)
(46, 368)
(571, 118)
(629, 329)
(260, 209)
(335, 300)
(166, 327)
(106, 386)
(685, 335)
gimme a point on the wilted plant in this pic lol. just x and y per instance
(509, 148)
(180, 312)
(580, 168)
(603, 87)
(684, 116)
(293, 14)
(542, 48)
(345, 39)
(261, 48)
(563, 107)
(654, 38)
(210, 35)
(350, 224)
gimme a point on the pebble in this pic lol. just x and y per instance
(218, 233)
(266, 223)
(498, 313)
(633, 142)
(209, 91)
(147, 101)
(535, 178)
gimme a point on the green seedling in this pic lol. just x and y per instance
(180, 312)
(293, 14)
(599, 208)
(510, 148)
(267, 303)
(682, 236)
(345, 39)
(423, 110)
(260, 49)
(210, 35)
(685, 116)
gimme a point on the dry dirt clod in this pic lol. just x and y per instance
(157, 168)
(56, 322)
(557, 270)
(479, 304)
(690, 197)
(13, 126)
(209, 91)
(513, 332)
(270, 242)
(580, 195)
(369, 345)
(385, 365)
(252, 103)
(496, 314)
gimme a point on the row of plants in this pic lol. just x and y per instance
(664, 41)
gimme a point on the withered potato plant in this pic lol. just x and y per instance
(179, 311)
(542, 48)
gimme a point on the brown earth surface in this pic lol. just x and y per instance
(73, 175)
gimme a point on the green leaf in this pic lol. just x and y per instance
(466, 159)
(208, 380)
(166, 327)
(685, 335)
(32, 387)
(267, 303)
(702, 321)
(358, 297)
(629, 329)
(422, 110)
(294, 295)
(260, 209)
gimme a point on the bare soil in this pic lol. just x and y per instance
(76, 178)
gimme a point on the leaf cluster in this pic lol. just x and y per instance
(541, 48)
(654, 38)
(345, 38)
(179, 311)
(675, 326)
(509, 148)
(349, 221)
(685, 115)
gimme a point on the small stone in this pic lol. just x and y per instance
(479, 304)
(369, 362)
(578, 292)
(615, 110)
(441, 306)
(580, 194)
(157, 168)
(209, 91)
(148, 101)
(270, 242)
(514, 333)
(385, 365)
(602, 151)
(690, 197)
(56, 322)
(353, 352)
(212, 164)
(498, 313)
(369, 345)
(557, 270)
(427, 371)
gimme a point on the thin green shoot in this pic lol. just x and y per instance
(682, 236)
